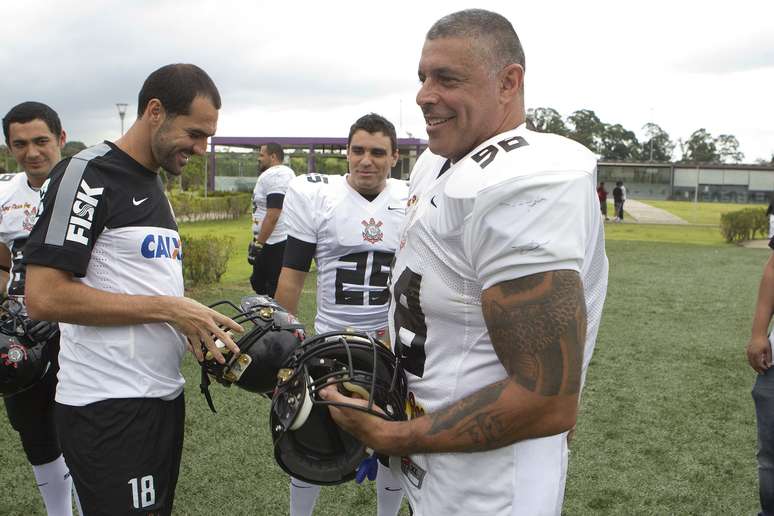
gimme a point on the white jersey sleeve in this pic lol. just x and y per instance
(274, 180)
(299, 210)
(18, 212)
(7, 229)
(529, 225)
(277, 183)
(529, 210)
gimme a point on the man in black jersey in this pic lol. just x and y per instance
(105, 260)
(33, 133)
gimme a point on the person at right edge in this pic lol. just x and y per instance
(759, 357)
(497, 288)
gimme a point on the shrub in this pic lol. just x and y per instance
(205, 258)
(191, 207)
(737, 226)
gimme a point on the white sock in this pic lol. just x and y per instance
(389, 492)
(303, 497)
(55, 487)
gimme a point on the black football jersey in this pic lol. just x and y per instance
(105, 218)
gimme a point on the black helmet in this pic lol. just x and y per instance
(271, 334)
(23, 357)
(307, 443)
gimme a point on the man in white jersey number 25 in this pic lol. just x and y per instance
(497, 288)
(350, 226)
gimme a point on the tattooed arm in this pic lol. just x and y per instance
(538, 327)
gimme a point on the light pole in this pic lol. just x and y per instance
(651, 133)
(121, 113)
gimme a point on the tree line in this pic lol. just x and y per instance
(616, 143)
(610, 141)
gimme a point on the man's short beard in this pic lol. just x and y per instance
(175, 173)
(162, 154)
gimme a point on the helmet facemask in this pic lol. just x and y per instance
(308, 444)
(271, 334)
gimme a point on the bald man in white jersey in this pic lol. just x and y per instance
(497, 288)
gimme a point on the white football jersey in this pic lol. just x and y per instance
(356, 241)
(18, 212)
(519, 204)
(273, 180)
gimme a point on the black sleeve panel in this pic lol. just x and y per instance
(275, 200)
(298, 254)
(74, 213)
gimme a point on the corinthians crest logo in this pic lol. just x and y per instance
(30, 216)
(372, 231)
(16, 353)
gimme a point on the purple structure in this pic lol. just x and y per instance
(405, 146)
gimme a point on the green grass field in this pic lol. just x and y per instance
(678, 234)
(666, 424)
(700, 213)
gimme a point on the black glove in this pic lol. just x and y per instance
(254, 253)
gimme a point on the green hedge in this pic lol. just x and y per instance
(205, 258)
(191, 207)
(737, 226)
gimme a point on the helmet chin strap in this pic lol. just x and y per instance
(357, 390)
(307, 404)
(304, 411)
(204, 386)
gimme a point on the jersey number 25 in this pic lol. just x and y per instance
(375, 280)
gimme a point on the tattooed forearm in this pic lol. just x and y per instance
(538, 328)
(485, 431)
(481, 404)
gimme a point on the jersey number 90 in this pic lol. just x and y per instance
(410, 325)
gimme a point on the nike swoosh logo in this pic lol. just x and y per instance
(43, 484)
(137, 203)
(432, 201)
(393, 489)
(528, 247)
(395, 207)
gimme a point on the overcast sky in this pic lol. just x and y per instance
(310, 68)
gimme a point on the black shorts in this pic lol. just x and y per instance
(123, 454)
(31, 413)
(267, 268)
